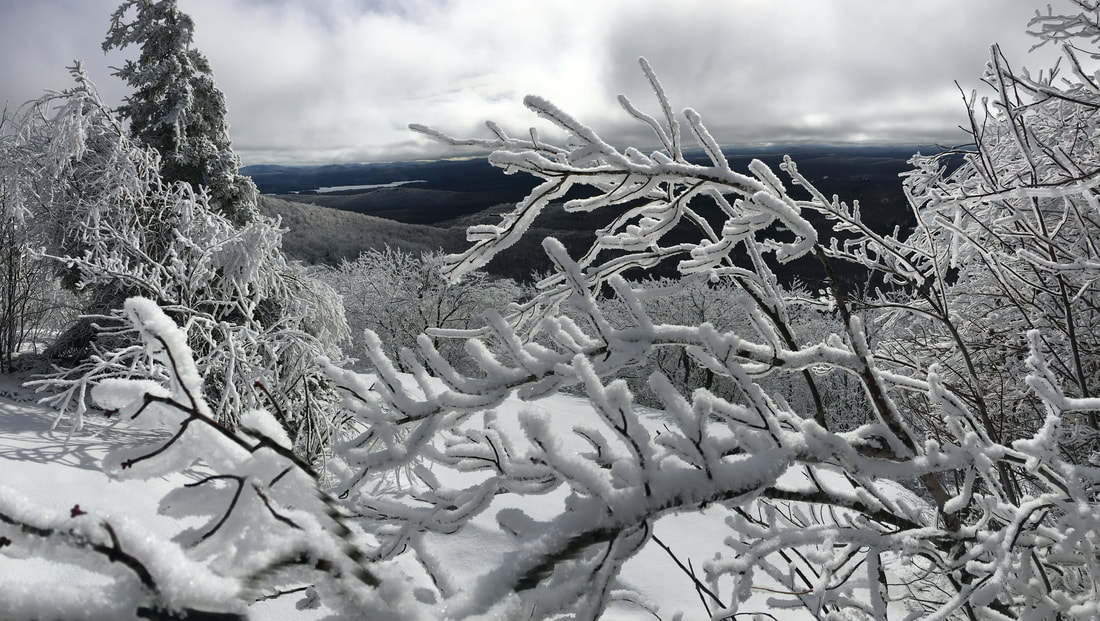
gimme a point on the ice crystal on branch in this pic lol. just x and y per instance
(817, 505)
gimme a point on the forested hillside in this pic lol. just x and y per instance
(325, 235)
(451, 196)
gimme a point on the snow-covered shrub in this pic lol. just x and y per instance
(400, 295)
(255, 320)
(252, 518)
(695, 301)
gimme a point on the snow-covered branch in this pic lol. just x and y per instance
(811, 500)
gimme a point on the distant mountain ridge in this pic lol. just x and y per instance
(452, 194)
(457, 175)
(476, 174)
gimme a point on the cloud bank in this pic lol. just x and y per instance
(340, 80)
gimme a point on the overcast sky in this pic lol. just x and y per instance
(339, 80)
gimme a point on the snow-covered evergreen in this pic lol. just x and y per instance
(176, 108)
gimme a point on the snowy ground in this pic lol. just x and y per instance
(60, 476)
(63, 477)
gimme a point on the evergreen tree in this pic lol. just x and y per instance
(176, 108)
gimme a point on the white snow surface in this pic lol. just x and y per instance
(63, 485)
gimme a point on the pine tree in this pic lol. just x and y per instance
(176, 107)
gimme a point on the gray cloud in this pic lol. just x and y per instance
(340, 80)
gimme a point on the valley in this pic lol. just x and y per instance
(425, 205)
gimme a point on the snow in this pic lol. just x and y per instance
(480, 544)
(57, 476)
(37, 459)
(63, 484)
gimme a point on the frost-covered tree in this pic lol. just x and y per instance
(19, 275)
(176, 108)
(399, 296)
(33, 305)
(697, 301)
(1008, 242)
(255, 320)
(928, 510)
